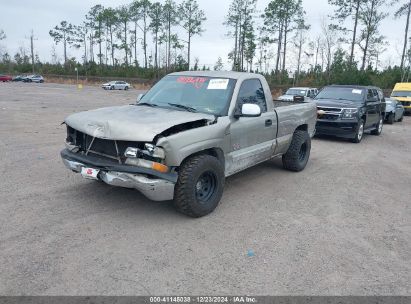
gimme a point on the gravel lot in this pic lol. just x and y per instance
(341, 227)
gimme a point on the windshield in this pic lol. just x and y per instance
(296, 92)
(341, 93)
(195, 94)
(401, 94)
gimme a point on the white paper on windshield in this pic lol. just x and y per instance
(355, 91)
(218, 84)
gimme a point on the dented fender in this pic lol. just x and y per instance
(185, 143)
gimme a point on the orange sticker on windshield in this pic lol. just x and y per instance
(197, 82)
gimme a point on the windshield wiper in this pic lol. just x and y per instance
(180, 106)
(147, 104)
(345, 99)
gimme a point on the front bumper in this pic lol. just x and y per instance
(153, 187)
(345, 129)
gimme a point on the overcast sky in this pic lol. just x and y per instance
(19, 17)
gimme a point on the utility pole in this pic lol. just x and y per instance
(32, 49)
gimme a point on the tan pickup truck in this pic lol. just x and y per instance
(187, 134)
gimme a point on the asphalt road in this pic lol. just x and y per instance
(341, 227)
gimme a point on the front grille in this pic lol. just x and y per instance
(109, 150)
(328, 113)
(327, 109)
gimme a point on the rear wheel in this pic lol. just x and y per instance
(126, 88)
(401, 118)
(200, 186)
(378, 128)
(298, 153)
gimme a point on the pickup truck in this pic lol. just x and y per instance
(187, 134)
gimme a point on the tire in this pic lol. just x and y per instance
(199, 186)
(126, 88)
(298, 153)
(401, 118)
(378, 128)
(111, 88)
(391, 118)
(359, 134)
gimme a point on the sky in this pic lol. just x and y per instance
(20, 17)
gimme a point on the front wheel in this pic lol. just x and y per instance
(200, 186)
(359, 132)
(111, 88)
(391, 118)
(378, 128)
(298, 153)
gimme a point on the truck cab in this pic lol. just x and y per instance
(402, 92)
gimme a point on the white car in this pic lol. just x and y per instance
(34, 78)
(116, 85)
(304, 92)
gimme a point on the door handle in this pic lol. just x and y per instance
(268, 123)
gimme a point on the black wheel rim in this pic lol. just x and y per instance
(206, 186)
(303, 152)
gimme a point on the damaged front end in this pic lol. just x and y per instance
(129, 164)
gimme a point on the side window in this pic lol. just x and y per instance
(251, 91)
(371, 95)
(376, 95)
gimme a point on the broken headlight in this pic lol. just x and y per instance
(149, 150)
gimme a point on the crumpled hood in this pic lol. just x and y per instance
(131, 123)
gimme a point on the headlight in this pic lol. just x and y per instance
(349, 113)
(149, 150)
(154, 151)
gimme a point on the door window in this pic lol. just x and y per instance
(252, 91)
(372, 95)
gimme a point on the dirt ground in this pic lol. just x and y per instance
(341, 227)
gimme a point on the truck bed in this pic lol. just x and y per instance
(280, 103)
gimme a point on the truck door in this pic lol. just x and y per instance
(252, 138)
(373, 108)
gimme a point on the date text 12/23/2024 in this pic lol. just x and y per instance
(204, 299)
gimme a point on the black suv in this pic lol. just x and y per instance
(349, 111)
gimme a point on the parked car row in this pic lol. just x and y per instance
(22, 78)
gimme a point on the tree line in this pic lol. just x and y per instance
(113, 41)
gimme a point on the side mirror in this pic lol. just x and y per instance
(139, 97)
(250, 110)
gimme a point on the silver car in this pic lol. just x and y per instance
(309, 93)
(394, 110)
(34, 78)
(116, 85)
